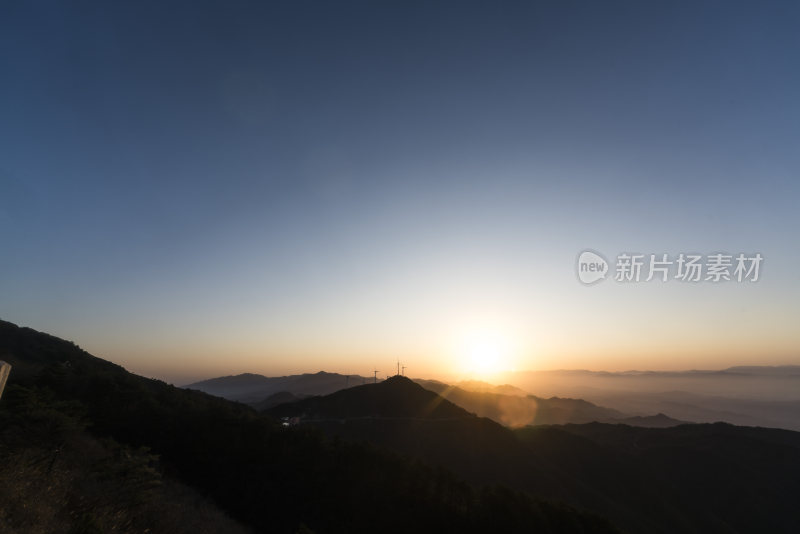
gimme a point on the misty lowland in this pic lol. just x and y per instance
(89, 447)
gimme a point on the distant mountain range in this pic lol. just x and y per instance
(505, 404)
(479, 386)
(793, 370)
(516, 410)
(253, 388)
(744, 395)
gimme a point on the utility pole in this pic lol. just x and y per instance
(376, 377)
(404, 371)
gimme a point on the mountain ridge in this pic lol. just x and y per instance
(252, 388)
(394, 397)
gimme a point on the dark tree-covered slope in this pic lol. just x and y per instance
(265, 476)
(688, 478)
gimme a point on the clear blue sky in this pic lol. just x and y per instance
(199, 188)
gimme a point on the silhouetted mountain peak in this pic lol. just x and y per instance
(395, 397)
(660, 420)
(398, 383)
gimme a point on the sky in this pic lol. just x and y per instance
(196, 189)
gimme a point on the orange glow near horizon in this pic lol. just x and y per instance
(450, 339)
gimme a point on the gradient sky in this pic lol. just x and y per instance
(197, 189)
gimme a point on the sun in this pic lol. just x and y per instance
(484, 354)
